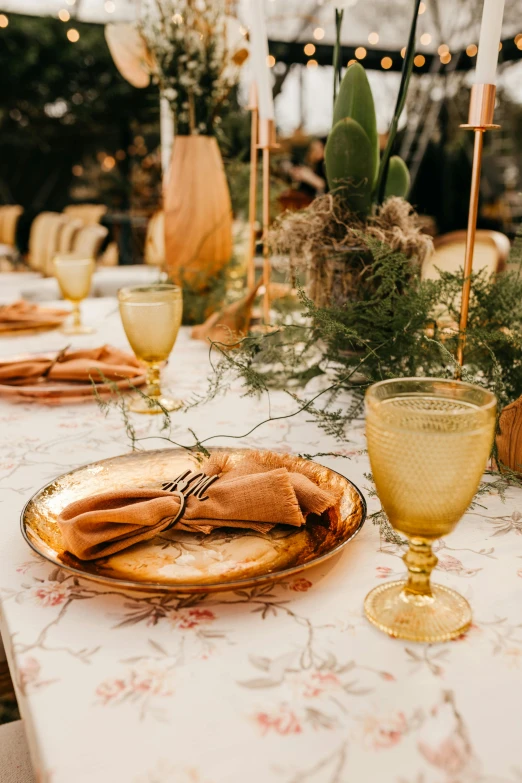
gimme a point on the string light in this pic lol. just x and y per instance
(500, 46)
(360, 53)
(312, 64)
(73, 35)
(443, 49)
(419, 60)
(309, 49)
(318, 33)
(403, 52)
(445, 58)
(77, 170)
(518, 42)
(422, 8)
(471, 50)
(351, 62)
(177, 19)
(425, 39)
(270, 61)
(108, 163)
(373, 38)
(4, 21)
(386, 63)
(64, 15)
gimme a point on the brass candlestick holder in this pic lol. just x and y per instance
(481, 110)
(267, 143)
(252, 203)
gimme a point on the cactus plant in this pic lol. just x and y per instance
(352, 151)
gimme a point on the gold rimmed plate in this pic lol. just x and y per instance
(175, 561)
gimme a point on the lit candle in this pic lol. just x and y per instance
(490, 34)
(259, 54)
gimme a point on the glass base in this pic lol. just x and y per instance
(419, 618)
(72, 329)
(138, 404)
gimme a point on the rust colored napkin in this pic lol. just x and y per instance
(262, 490)
(73, 366)
(26, 315)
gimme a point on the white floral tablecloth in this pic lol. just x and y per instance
(283, 684)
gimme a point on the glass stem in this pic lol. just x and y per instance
(420, 562)
(153, 381)
(77, 317)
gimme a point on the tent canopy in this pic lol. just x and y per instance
(378, 24)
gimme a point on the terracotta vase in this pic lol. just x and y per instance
(198, 213)
(509, 440)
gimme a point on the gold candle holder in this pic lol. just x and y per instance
(252, 204)
(481, 109)
(267, 143)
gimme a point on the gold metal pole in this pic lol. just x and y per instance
(252, 206)
(481, 109)
(267, 143)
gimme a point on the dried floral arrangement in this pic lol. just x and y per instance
(197, 56)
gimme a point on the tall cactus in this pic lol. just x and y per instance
(352, 151)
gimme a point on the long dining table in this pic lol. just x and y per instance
(286, 683)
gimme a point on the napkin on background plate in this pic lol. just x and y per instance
(25, 315)
(72, 366)
(257, 493)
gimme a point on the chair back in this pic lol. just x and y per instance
(68, 235)
(491, 253)
(89, 240)
(88, 214)
(155, 240)
(9, 216)
(44, 240)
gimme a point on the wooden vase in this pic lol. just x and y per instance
(509, 440)
(198, 213)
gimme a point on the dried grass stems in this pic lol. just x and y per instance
(326, 241)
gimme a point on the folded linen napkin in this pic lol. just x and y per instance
(26, 315)
(262, 490)
(73, 366)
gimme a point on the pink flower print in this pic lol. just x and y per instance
(282, 720)
(519, 572)
(28, 672)
(319, 683)
(301, 585)
(514, 657)
(387, 676)
(186, 619)
(383, 572)
(51, 593)
(110, 690)
(450, 755)
(384, 732)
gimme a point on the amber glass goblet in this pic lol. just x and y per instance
(74, 276)
(428, 442)
(151, 317)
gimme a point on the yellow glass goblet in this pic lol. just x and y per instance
(428, 442)
(74, 276)
(151, 317)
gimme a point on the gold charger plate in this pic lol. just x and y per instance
(175, 561)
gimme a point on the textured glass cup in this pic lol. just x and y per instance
(74, 276)
(151, 317)
(428, 442)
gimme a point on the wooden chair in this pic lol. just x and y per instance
(9, 216)
(155, 240)
(88, 214)
(68, 235)
(15, 763)
(89, 239)
(44, 239)
(491, 253)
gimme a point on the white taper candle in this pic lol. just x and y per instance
(490, 35)
(259, 54)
